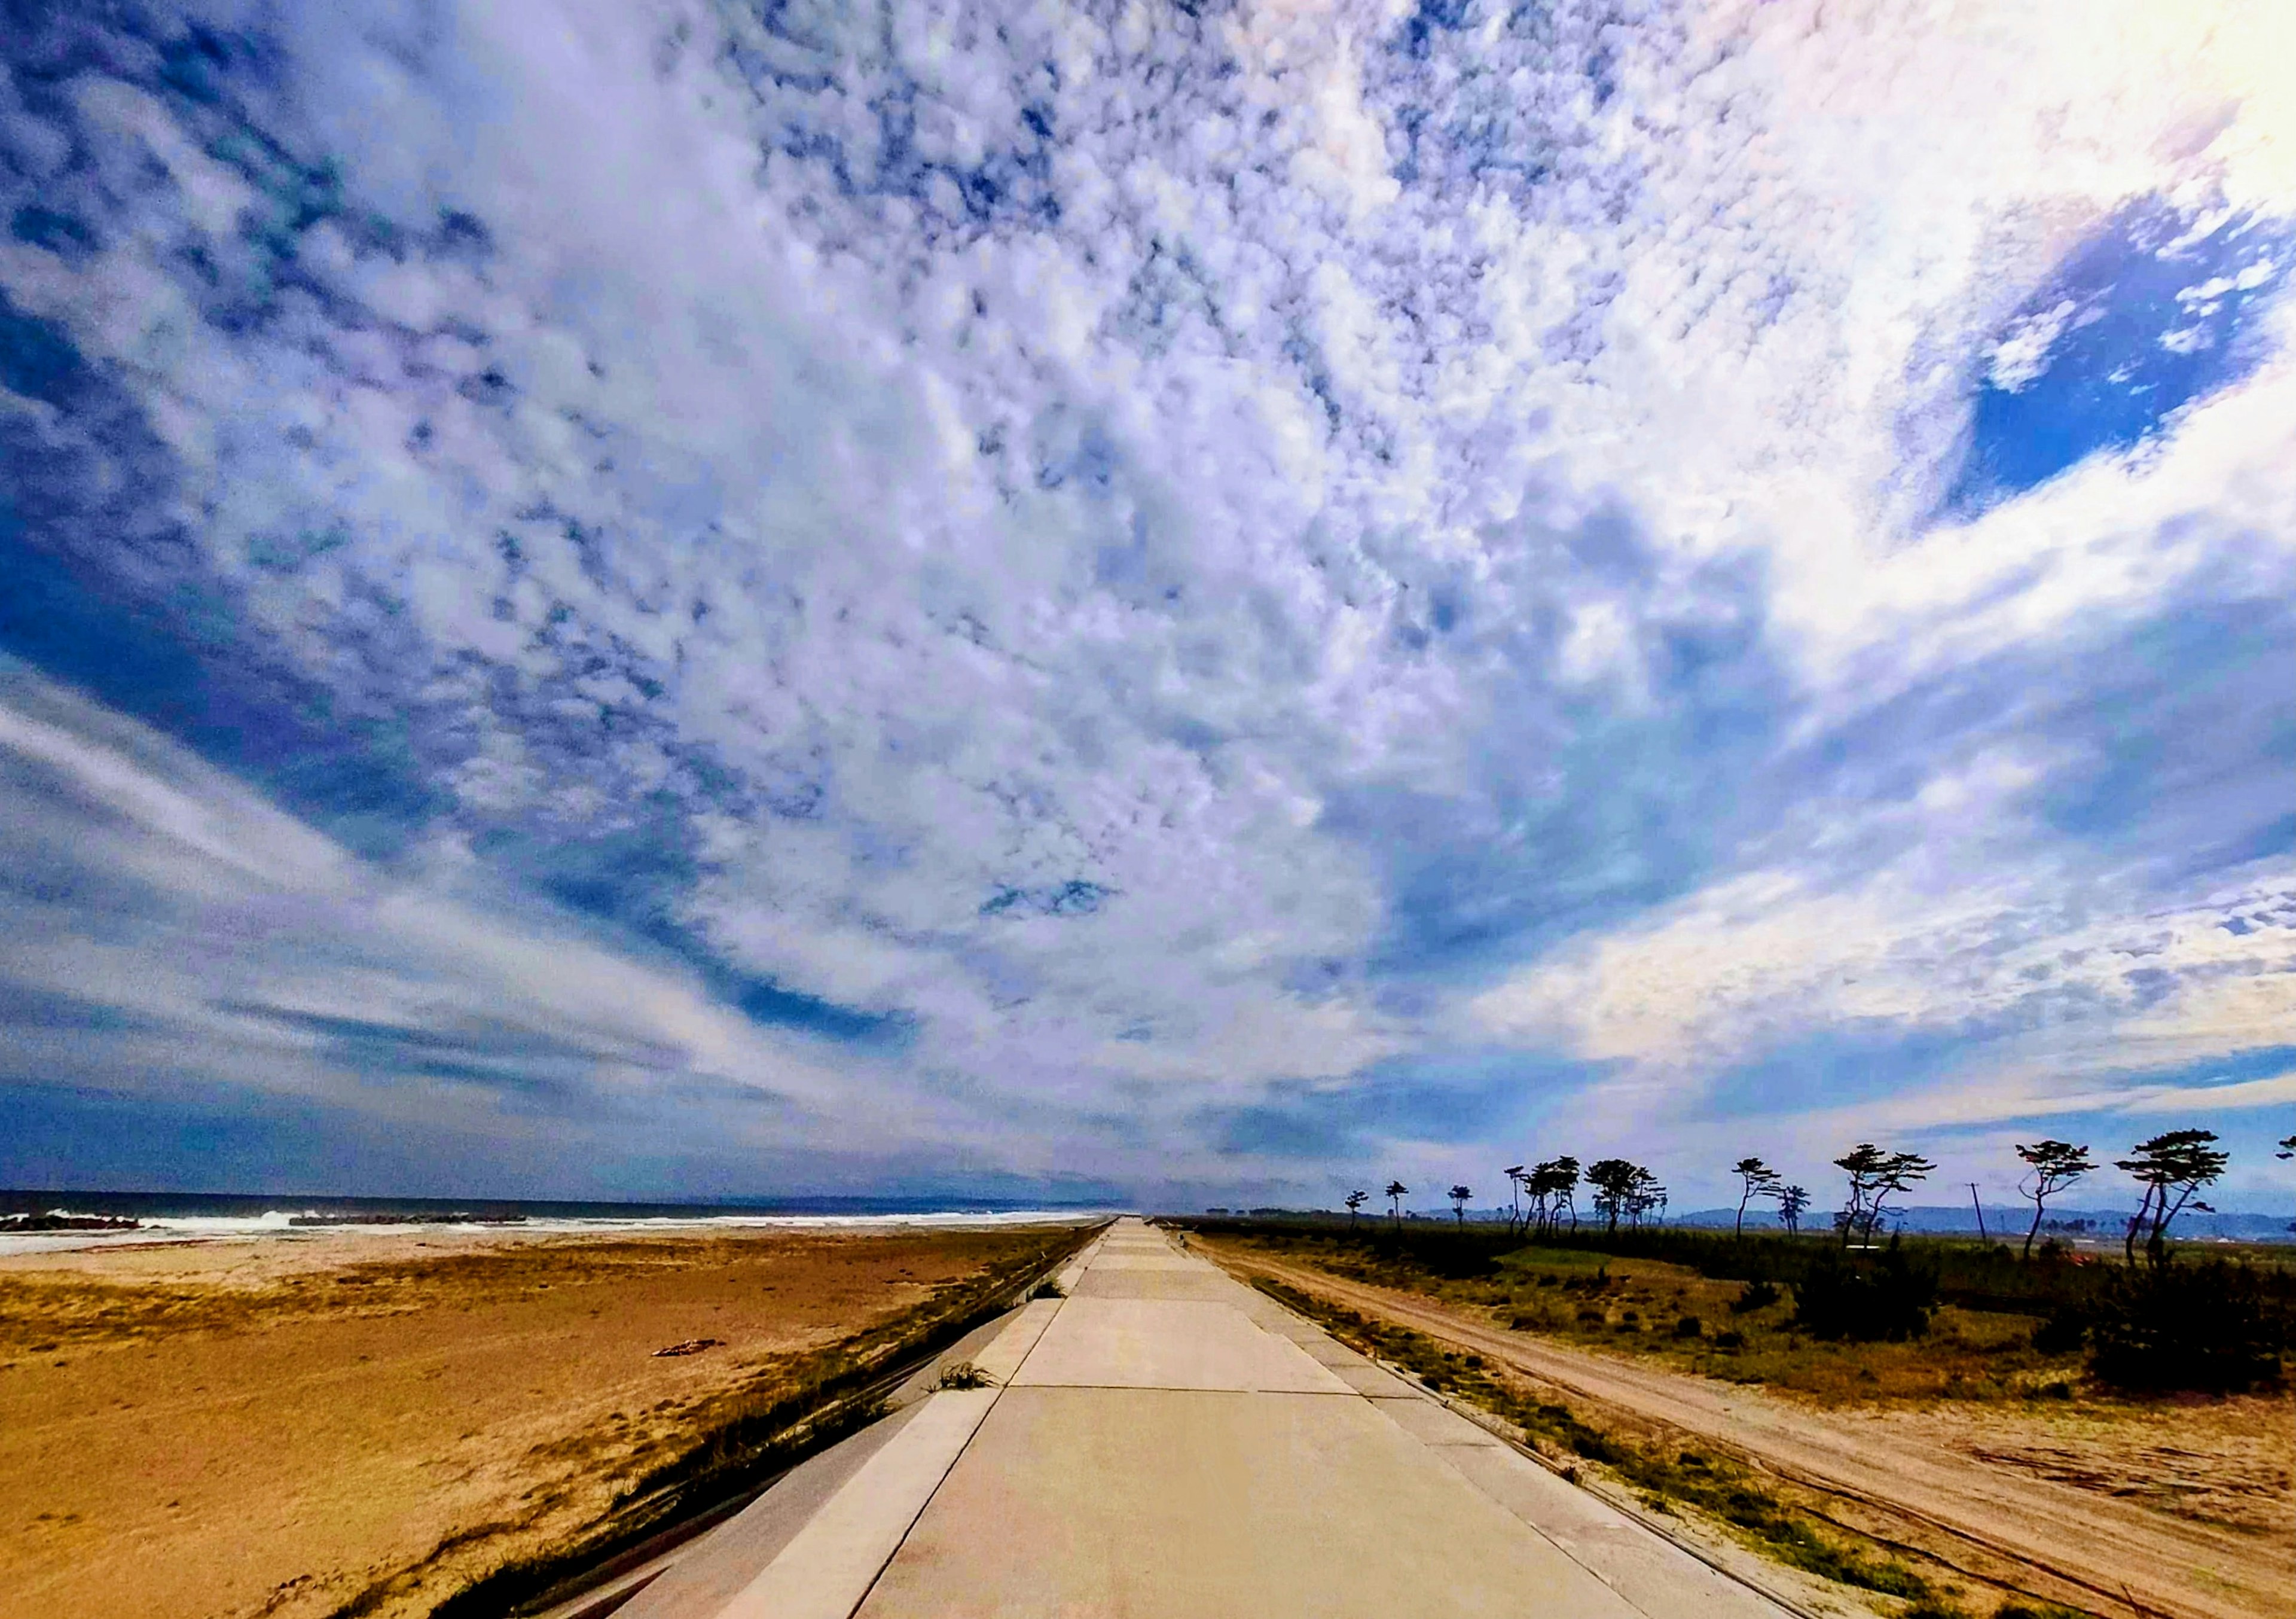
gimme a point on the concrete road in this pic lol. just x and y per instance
(1165, 1443)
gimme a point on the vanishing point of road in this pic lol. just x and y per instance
(1164, 1442)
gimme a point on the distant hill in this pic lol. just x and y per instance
(2010, 1220)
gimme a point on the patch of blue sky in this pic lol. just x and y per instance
(184, 664)
(633, 880)
(1629, 811)
(2229, 1068)
(1440, 1097)
(2184, 744)
(2171, 743)
(193, 1137)
(1853, 1063)
(2216, 1093)
(356, 778)
(2158, 311)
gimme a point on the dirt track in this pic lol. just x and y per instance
(2118, 1555)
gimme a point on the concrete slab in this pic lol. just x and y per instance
(1002, 1355)
(1169, 1442)
(713, 1570)
(1376, 1383)
(1656, 1576)
(828, 1566)
(1432, 1424)
(1169, 1344)
(1101, 1282)
(1158, 1504)
(1137, 1260)
(1329, 1351)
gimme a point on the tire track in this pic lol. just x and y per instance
(2129, 1559)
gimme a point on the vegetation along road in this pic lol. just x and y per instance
(1907, 1477)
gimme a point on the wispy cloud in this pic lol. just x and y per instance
(1142, 592)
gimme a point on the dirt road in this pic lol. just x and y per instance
(2123, 1557)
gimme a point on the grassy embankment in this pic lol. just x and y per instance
(1725, 1307)
(1716, 1306)
(1791, 1526)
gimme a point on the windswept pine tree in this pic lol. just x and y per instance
(2172, 1168)
(1874, 1177)
(2052, 1166)
(1755, 1180)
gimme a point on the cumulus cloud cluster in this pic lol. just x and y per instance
(1195, 596)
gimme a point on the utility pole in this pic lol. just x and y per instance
(1980, 1207)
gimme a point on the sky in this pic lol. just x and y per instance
(1164, 602)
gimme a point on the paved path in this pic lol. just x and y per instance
(1165, 1442)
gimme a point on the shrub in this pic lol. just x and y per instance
(2065, 1330)
(1733, 1339)
(2185, 1327)
(1888, 1298)
(1755, 1295)
(1689, 1326)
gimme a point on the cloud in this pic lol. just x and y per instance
(2278, 1090)
(1074, 588)
(164, 921)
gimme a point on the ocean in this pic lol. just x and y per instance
(213, 1216)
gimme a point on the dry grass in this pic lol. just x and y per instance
(1973, 1412)
(1637, 1306)
(1792, 1525)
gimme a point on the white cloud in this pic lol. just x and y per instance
(1757, 963)
(994, 500)
(156, 887)
(2278, 1090)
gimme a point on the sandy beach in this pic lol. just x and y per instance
(291, 1425)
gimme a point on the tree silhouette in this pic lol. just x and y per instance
(1873, 1175)
(2172, 1167)
(1643, 1195)
(2054, 1165)
(1613, 1180)
(1355, 1200)
(1514, 1196)
(1792, 1200)
(1554, 1186)
(1396, 1192)
(1755, 1179)
(1459, 1195)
